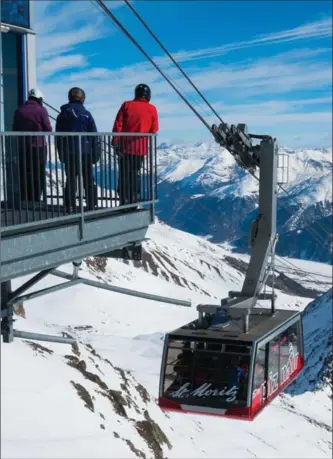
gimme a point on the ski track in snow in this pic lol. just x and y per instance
(99, 400)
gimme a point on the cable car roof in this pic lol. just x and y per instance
(262, 324)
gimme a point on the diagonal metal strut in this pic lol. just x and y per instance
(125, 291)
(72, 279)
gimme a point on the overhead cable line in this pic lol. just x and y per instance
(303, 207)
(143, 22)
(111, 15)
(315, 234)
(299, 270)
(50, 106)
(308, 276)
(115, 20)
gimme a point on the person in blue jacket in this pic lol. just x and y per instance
(74, 117)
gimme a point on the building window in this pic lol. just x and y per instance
(12, 76)
(16, 12)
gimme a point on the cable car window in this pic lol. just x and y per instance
(205, 375)
(273, 364)
(283, 357)
(178, 362)
(289, 351)
(259, 368)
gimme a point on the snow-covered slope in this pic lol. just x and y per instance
(99, 399)
(203, 191)
(315, 383)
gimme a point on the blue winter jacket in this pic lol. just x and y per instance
(73, 117)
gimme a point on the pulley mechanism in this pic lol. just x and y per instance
(237, 141)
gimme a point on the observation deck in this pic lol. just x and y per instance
(45, 223)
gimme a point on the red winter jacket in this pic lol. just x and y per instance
(135, 116)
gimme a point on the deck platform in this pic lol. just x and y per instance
(32, 247)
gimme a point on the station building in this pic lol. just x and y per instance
(18, 56)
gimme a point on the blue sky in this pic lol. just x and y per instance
(265, 63)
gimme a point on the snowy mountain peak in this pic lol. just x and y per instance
(208, 168)
(204, 191)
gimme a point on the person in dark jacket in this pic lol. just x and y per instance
(140, 116)
(74, 117)
(32, 150)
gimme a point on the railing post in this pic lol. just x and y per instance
(10, 165)
(6, 313)
(155, 163)
(81, 189)
(152, 180)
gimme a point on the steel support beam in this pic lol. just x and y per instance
(263, 235)
(7, 313)
(30, 283)
(47, 290)
(125, 291)
(266, 225)
(238, 303)
(261, 296)
(9, 298)
(43, 337)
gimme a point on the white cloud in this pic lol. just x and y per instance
(57, 64)
(318, 29)
(236, 90)
(52, 15)
(57, 43)
(63, 25)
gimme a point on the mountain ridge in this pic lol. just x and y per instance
(203, 191)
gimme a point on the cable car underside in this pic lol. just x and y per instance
(235, 358)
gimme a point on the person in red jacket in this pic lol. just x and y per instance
(137, 116)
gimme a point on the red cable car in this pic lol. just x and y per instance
(235, 358)
(216, 368)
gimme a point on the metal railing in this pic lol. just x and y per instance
(47, 176)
